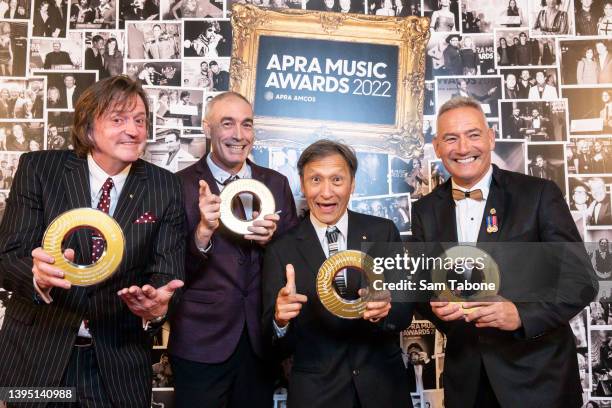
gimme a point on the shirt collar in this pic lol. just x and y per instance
(484, 184)
(97, 176)
(321, 228)
(221, 175)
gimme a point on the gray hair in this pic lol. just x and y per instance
(221, 97)
(460, 102)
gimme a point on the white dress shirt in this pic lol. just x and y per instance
(321, 229)
(469, 212)
(69, 93)
(221, 175)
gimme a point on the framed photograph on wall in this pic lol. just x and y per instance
(345, 73)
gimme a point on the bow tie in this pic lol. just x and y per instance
(474, 194)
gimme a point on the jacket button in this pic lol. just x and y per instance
(356, 371)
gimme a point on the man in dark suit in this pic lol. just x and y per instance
(538, 127)
(600, 209)
(70, 92)
(462, 90)
(220, 78)
(93, 56)
(216, 342)
(503, 353)
(58, 18)
(337, 362)
(604, 59)
(423, 366)
(452, 56)
(514, 125)
(92, 338)
(57, 57)
(542, 169)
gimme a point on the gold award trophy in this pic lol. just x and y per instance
(346, 309)
(473, 276)
(235, 188)
(106, 265)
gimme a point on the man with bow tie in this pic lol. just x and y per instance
(94, 338)
(501, 353)
(215, 343)
(341, 363)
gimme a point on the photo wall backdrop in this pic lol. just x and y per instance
(546, 90)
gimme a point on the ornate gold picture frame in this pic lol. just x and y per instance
(365, 76)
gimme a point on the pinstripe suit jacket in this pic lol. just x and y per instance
(36, 340)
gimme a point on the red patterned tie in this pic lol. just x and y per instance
(103, 205)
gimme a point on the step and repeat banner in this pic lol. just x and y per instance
(545, 85)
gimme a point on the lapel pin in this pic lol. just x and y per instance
(492, 222)
(131, 195)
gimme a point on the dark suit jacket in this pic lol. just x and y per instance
(536, 365)
(605, 73)
(513, 126)
(223, 288)
(605, 213)
(36, 340)
(333, 357)
(57, 58)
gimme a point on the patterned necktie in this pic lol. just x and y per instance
(332, 244)
(474, 194)
(103, 205)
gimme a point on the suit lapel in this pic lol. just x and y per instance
(357, 234)
(131, 195)
(205, 174)
(258, 175)
(309, 246)
(494, 207)
(444, 214)
(78, 195)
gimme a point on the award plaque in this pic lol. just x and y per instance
(468, 275)
(231, 192)
(106, 265)
(346, 309)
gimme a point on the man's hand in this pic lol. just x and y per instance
(46, 275)
(148, 302)
(288, 302)
(377, 306)
(263, 230)
(447, 311)
(501, 315)
(210, 212)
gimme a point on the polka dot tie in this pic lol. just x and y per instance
(103, 205)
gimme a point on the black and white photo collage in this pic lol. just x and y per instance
(542, 71)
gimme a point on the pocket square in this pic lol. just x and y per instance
(146, 218)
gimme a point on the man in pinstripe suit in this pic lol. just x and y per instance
(91, 338)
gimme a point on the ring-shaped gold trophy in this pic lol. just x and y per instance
(232, 191)
(466, 274)
(337, 305)
(107, 263)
